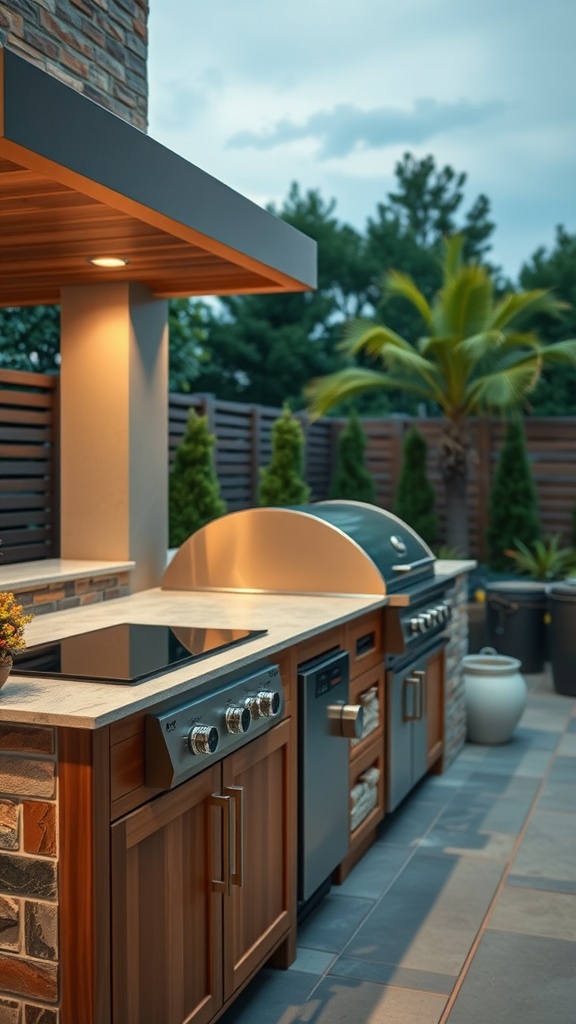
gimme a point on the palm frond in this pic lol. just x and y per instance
(560, 352)
(463, 306)
(513, 306)
(452, 256)
(323, 393)
(381, 343)
(477, 346)
(502, 389)
(397, 285)
(366, 336)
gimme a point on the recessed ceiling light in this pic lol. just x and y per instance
(108, 262)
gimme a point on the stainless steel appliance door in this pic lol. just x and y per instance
(323, 776)
(407, 729)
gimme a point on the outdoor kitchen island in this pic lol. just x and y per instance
(122, 903)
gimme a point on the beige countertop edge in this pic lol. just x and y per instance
(451, 567)
(56, 570)
(289, 619)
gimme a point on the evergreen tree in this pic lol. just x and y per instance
(513, 511)
(194, 491)
(415, 498)
(351, 479)
(282, 483)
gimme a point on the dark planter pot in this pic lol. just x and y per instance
(516, 621)
(562, 605)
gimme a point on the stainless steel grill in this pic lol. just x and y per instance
(344, 547)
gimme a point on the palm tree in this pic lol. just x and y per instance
(473, 358)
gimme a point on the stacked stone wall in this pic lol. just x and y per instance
(457, 648)
(28, 876)
(57, 597)
(98, 47)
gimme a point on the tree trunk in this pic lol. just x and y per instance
(454, 457)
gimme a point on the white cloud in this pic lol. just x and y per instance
(261, 94)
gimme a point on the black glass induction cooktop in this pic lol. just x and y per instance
(128, 652)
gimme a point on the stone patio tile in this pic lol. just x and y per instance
(332, 924)
(388, 974)
(538, 983)
(559, 793)
(272, 997)
(428, 919)
(567, 745)
(347, 1001)
(375, 872)
(547, 851)
(312, 961)
(534, 912)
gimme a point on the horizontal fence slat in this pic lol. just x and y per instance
(29, 469)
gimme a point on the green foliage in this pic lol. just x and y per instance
(512, 511)
(194, 497)
(555, 394)
(188, 325)
(351, 479)
(543, 559)
(415, 497)
(282, 482)
(30, 338)
(471, 356)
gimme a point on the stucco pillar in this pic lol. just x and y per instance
(114, 422)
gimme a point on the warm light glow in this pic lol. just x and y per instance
(108, 262)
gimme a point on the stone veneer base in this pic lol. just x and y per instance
(40, 599)
(28, 864)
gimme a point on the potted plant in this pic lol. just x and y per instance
(543, 559)
(12, 622)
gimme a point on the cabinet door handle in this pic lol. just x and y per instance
(413, 715)
(421, 677)
(237, 794)
(225, 803)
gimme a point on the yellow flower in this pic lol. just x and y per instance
(12, 622)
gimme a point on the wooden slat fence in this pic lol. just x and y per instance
(29, 505)
(29, 462)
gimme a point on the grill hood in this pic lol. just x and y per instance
(329, 547)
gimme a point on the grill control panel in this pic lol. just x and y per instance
(427, 619)
(184, 740)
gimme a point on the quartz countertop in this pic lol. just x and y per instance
(23, 575)
(288, 619)
(449, 568)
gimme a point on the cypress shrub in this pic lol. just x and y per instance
(351, 479)
(282, 482)
(193, 488)
(415, 497)
(512, 510)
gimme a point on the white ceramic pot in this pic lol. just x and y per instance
(495, 696)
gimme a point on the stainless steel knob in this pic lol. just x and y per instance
(346, 720)
(264, 704)
(203, 739)
(422, 622)
(414, 624)
(238, 719)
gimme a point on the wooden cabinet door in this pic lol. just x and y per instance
(166, 918)
(259, 911)
(435, 706)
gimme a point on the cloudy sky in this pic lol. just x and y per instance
(261, 93)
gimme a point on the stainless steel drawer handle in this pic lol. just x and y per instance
(225, 804)
(237, 795)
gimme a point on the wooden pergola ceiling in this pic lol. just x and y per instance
(78, 182)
